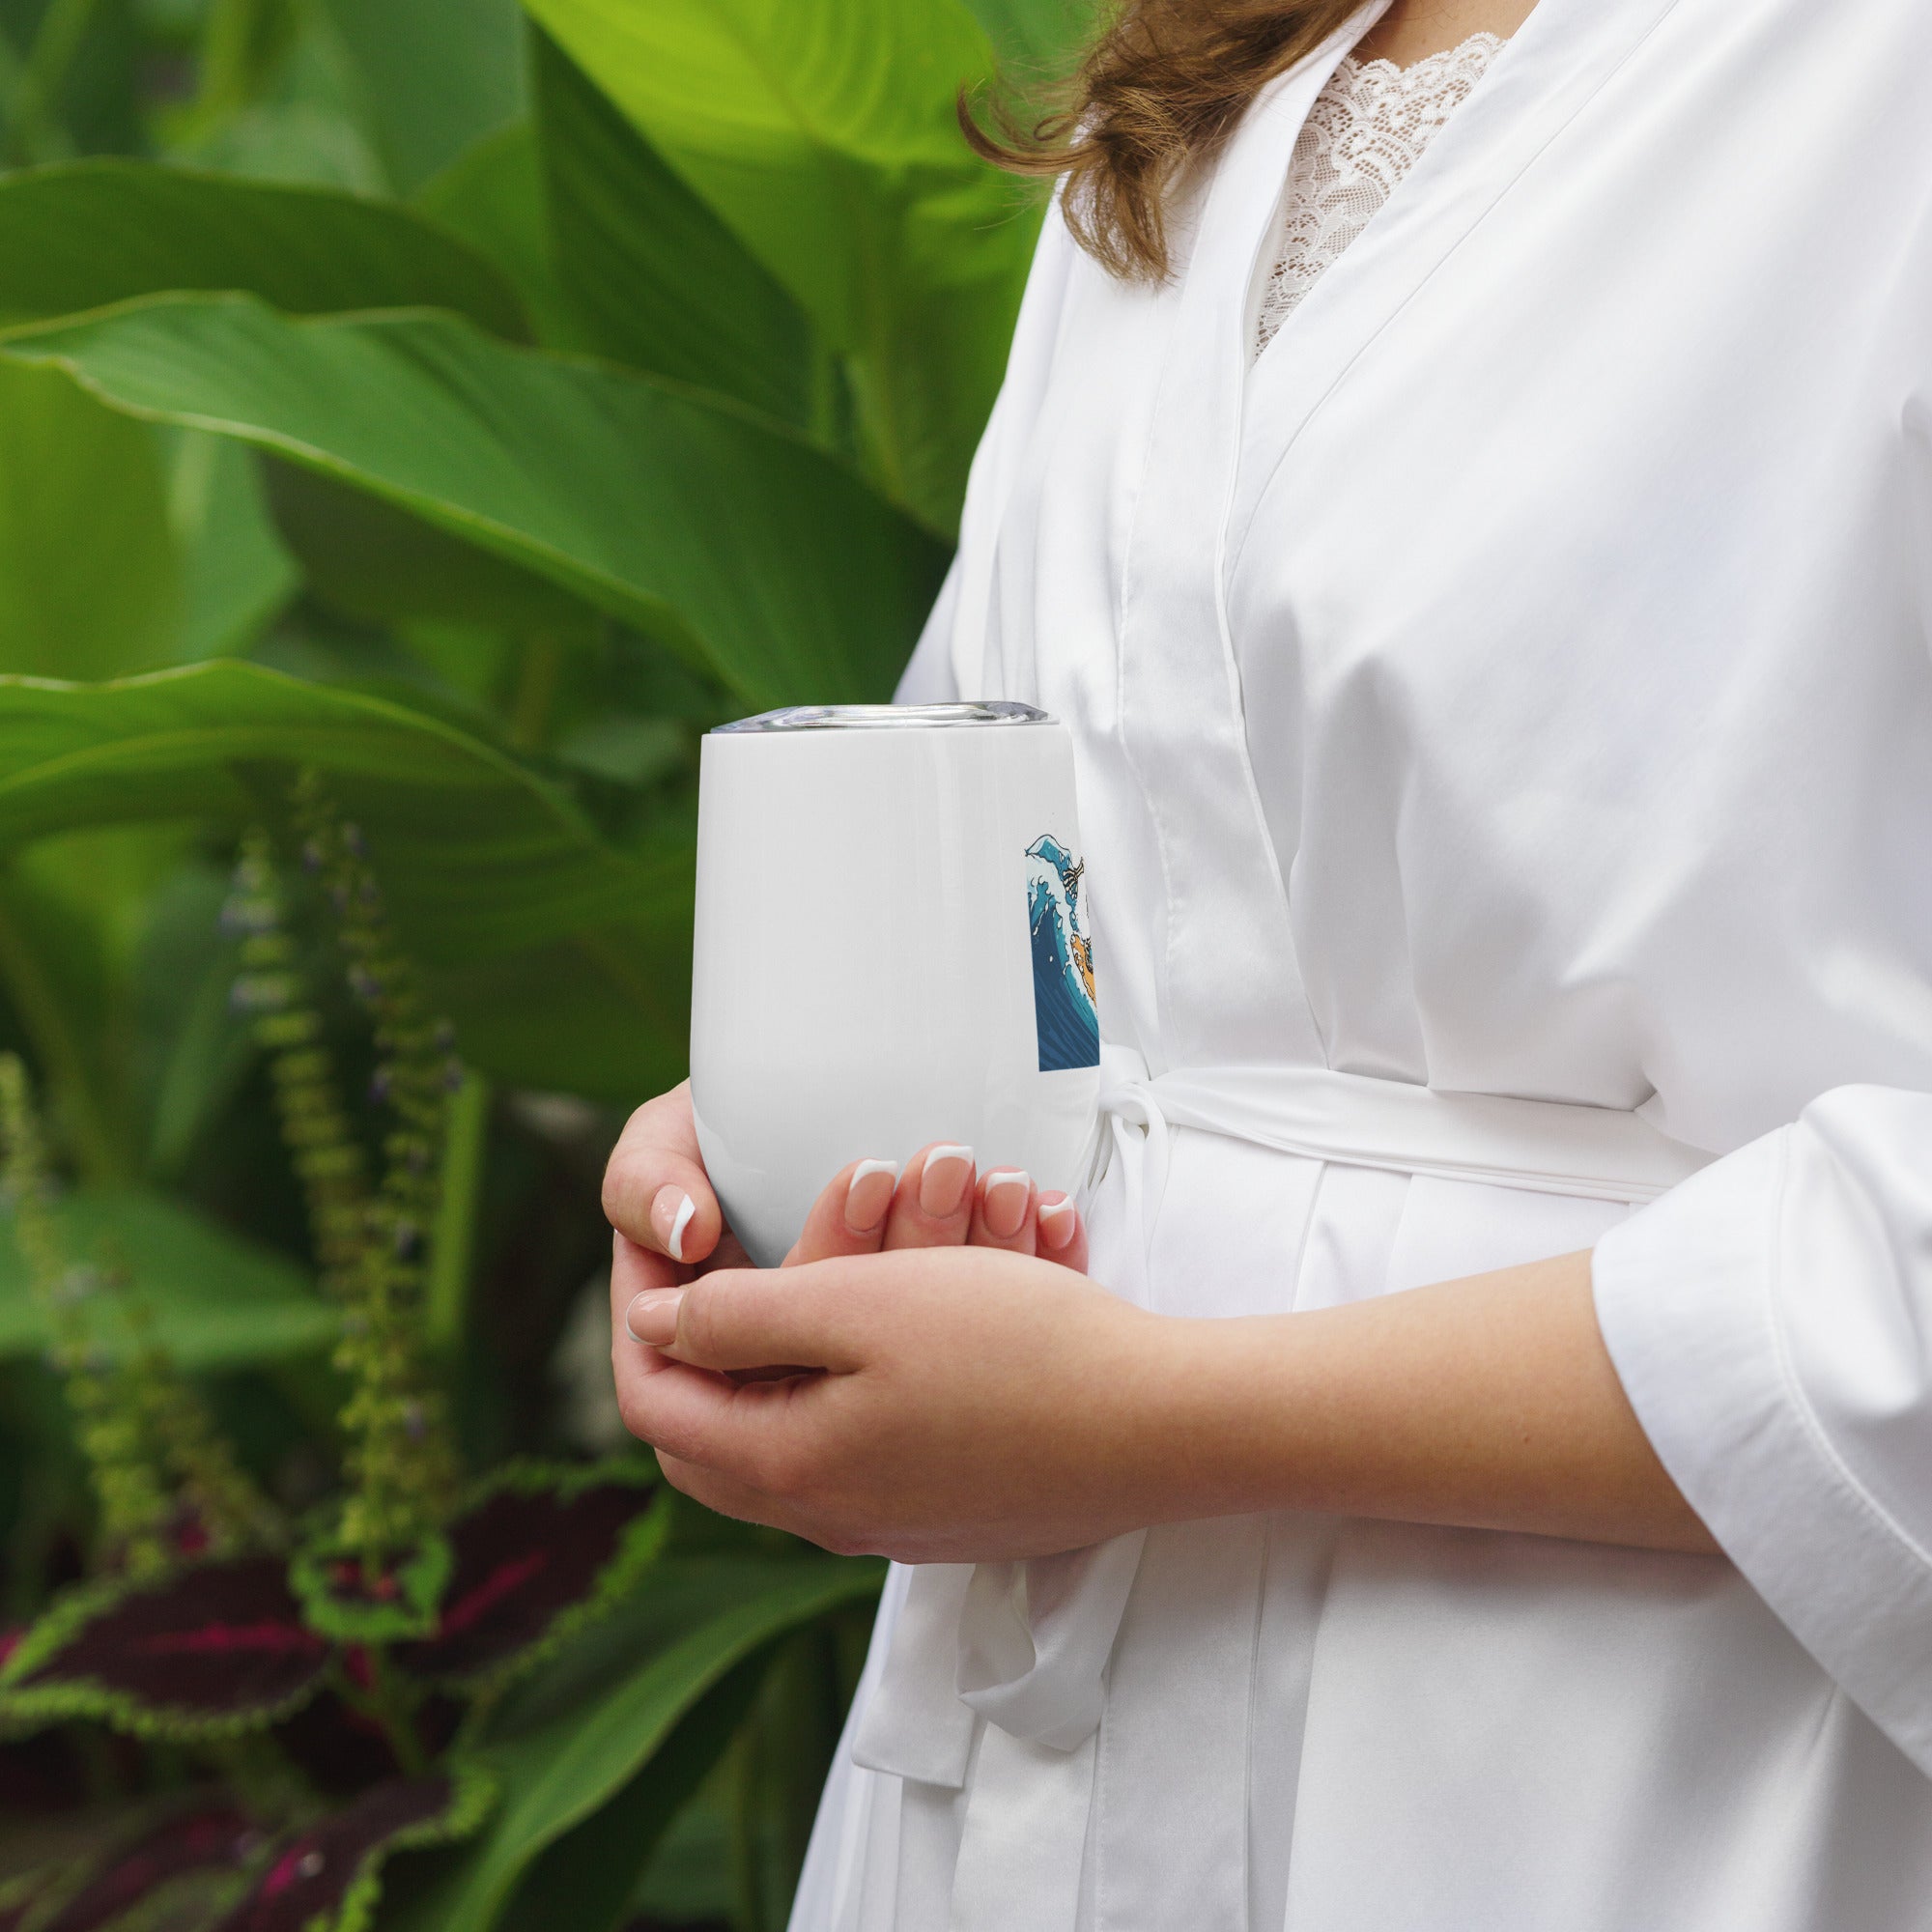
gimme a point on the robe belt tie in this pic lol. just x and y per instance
(1025, 1645)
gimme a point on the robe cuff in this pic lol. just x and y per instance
(1687, 1295)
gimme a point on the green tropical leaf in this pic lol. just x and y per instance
(218, 1301)
(371, 560)
(549, 947)
(1036, 39)
(73, 914)
(728, 539)
(238, 573)
(493, 196)
(602, 1859)
(824, 134)
(435, 75)
(86, 234)
(571, 1740)
(659, 281)
(89, 582)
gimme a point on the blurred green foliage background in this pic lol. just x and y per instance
(469, 404)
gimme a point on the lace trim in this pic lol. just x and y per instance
(1367, 128)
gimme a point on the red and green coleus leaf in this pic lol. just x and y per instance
(214, 1650)
(21, 1898)
(181, 1866)
(327, 1877)
(343, 1597)
(539, 1550)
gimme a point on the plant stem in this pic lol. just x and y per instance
(536, 690)
(453, 1240)
(391, 1711)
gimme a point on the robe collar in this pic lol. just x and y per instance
(1541, 81)
(1228, 985)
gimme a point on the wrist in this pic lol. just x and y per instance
(1206, 1414)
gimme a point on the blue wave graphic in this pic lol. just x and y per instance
(1065, 1014)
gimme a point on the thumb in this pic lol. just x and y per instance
(738, 1319)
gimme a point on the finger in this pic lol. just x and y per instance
(1003, 1211)
(725, 1494)
(633, 1269)
(849, 1217)
(751, 1433)
(635, 1275)
(933, 1206)
(1061, 1231)
(732, 1321)
(681, 1410)
(656, 1191)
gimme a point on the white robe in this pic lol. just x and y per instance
(1516, 682)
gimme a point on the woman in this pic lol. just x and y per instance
(1504, 708)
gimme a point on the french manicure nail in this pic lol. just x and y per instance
(869, 1193)
(671, 1216)
(943, 1186)
(1007, 1193)
(1058, 1221)
(652, 1316)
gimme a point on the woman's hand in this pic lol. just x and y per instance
(659, 1200)
(669, 1228)
(939, 1203)
(947, 1403)
(955, 1404)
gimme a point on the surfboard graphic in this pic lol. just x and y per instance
(1063, 1011)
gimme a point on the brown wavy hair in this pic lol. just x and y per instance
(1157, 94)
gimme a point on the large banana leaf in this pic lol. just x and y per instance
(89, 578)
(74, 914)
(563, 960)
(727, 538)
(217, 1301)
(492, 195)
(86, 234)
(576, 1737)
(658, 280)
(435, 75)
(824, 133)
(1036, 40)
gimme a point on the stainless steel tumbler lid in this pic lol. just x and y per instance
(888, 716)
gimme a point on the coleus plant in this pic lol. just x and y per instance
(323, 1679)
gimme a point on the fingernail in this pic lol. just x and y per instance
(671, 1216)
(1058, 1221)
(1007, 1193)
(652, 1316)
(943, 1186)
(869, 1193)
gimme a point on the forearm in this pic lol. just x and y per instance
(1490, 1403)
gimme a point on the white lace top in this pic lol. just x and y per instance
(1367, 128)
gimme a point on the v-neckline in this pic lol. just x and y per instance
(1278, 221)
(1220, 425)
(1540, 81)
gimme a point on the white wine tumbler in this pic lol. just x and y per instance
(892, 947)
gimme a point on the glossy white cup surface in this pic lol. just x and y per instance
(874, 887)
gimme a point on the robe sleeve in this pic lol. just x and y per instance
(1772, 1323)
